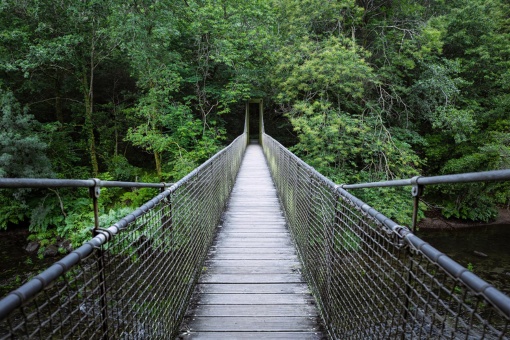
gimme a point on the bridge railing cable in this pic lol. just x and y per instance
(372, 278)
(134, 279)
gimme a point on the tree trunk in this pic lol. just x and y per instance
(58, 101)
(157, 158)
(89, 127)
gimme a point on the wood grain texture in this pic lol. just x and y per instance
(251, 286)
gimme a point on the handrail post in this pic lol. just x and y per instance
(261, 120)
(166, 218)
(417, 192)
(247, 122)
(95, 192)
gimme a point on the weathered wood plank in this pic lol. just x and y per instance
(250, 278)
(215, 269)
(252, 263)
(255, 299)
(254, 227)
(254, 288)
(252, 335)
(255, 323)
(261, 231)
(244, 254)
(261, 250)
(255, 310)
(247, 235)
(254, 242)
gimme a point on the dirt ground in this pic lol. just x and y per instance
(439, 222)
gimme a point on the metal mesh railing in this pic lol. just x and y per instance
(372, 278)
(134, 279)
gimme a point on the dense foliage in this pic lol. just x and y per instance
(145, 90)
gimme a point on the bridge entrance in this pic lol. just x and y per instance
(254, 109)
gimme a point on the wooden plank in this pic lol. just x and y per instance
(252, 263)
(215, 269)
(254, 242)
(261, 231)
(250, 278)
(240, 207)
(251, 235)
(253, 221)
(254, 227)
(255, 310)
(254, 204)
(262, 288)
(261, 250)
(246, 255)
(252, 335)
(255, 299)
(254, 324)
(239, 215)
(248, 216)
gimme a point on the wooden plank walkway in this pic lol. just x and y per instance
(252, 287)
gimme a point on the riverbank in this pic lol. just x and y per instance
(438, 222)
(17, 265)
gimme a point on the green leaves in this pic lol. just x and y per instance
(332, 68)
(22, 150)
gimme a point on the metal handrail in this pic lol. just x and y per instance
(74, 183)
(484, 176)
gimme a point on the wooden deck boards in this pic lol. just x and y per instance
(252, 287)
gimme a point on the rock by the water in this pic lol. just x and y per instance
(50, 251)
(66, 244)
(32, 247)
(498, 270)
(479, 253)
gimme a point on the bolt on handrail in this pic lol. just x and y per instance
(373, 278)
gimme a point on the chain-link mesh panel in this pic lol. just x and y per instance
(134, 279)
(372, 278)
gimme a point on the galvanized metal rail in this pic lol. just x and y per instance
(74, 183)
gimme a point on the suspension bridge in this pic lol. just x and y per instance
(255, 243)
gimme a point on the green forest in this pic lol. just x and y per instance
(146, 90)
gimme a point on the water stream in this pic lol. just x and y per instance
(485, 249)
(17, 266)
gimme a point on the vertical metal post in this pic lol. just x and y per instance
(94, 192)
(247, 122)
(166, 218)
(416, 191)
(261, 120)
